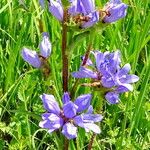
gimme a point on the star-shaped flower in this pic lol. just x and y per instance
(70, 116)
(108, 72)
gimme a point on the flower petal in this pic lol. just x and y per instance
(88, 62)
(116, 11)
(45, 116)
(90, 110)
(76, 7)
(83, 102)
(93, 127)
(89, 5)
(92, 117)
(122, 77)
(78, 120)
(70, 109)
(121, 89)
(66, 98)
(99, 57)
(94, 18)
(31, 57)
(125, 70)
(45, 46)
(70, 131)
(130, 79)
(115, 61)
(51, 121)
(50, 104)
(55, 7)
(112, 97)
(84, 73)
(128, 86)
(108, 80)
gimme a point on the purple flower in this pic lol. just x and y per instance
(105, 62)
(123, 84)
(76, 7)
(45, 46)
(93, 18)
(56, 8)
(82, 8)
(123, 79)
(32, 57)
(108, 73)
(115, 10)
(89, 5)
(86, 8)
(68, 118)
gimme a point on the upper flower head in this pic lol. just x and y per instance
(67, 117)
(32, 57)
(82, 11)
(115, 10)
(56, 8)
(108, 72)
(81, 6)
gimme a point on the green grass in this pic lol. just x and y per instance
(125, 126)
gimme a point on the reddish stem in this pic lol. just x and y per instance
(64, 53)
(66, 145)
(91, 141)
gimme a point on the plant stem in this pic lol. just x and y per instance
(91, 141)
(72, 92)
(64, 53)
(65, 61)
(87, 54)
(66, 145)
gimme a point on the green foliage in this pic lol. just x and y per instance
(125, 126)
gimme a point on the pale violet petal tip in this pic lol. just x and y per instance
(31, 57)
(90, 110)
(92, 117)
(89, 5)
(45, 46)
(65, 98)
(70, 131)
(55, 7)
(117, 10)
(93, 127)
(50, 104)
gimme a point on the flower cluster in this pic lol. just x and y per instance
(108, 73)
(84, 12)
(105, 70)
(114, 10)
(35, 59)
(70, 115)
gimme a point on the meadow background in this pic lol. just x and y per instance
(125, 126)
